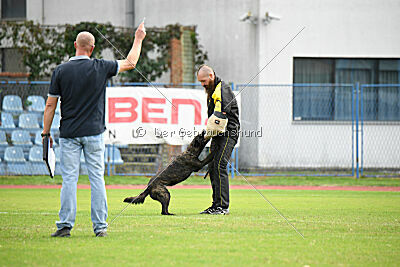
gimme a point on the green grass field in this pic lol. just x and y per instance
(340, 228)
(196, 180)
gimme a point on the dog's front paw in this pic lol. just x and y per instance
(129, 199)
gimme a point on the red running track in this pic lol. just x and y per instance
(266, 187)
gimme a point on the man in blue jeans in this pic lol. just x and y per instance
(80, 83)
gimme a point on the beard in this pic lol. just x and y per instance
(209, 89)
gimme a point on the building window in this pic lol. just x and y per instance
(13, 9)
(12, 60)
(315, 98)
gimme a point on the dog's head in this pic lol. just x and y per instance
(198, 143)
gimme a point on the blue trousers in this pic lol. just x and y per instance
(70, 150)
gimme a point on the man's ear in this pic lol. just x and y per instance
(75, 45)
(91, 49)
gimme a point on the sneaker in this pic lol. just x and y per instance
(207, 210)
(64, 232)
(219, 211)
(101, 234)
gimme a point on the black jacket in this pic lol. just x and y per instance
(228, 105)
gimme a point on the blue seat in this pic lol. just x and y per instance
(19, 168)
(21, 138)
(28, 122)
(58, 108)
(56, 122)
(58, 154)
(2, 169)
(3, 143)
(12, 104)
(14, 154)
(58, 165)
(37, 103)
(112, 155)
(38, 167)
(3, 139)
(36, 154)
(7, 121)
(16, 163)
(37, 140)
(83, 167)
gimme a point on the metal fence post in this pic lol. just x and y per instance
(352, 129)
(357, 129)
(362, 129)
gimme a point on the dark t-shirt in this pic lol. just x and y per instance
(81, 85)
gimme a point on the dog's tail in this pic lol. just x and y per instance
(138, 199)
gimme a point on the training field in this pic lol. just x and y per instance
(340, 228)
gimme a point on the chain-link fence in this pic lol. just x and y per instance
(302, 129)
(20, 143)
(298, 129)
(380, 129)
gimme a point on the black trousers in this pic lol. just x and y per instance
(223, 146)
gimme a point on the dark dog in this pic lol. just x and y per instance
(177, 171)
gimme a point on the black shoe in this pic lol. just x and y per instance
(101, 234)
(219, 211)
(64, 232)
(207, 210)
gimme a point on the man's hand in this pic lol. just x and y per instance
(51, 140)
(140, 33)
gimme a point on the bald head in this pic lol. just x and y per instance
(205, 70)
(85, 42)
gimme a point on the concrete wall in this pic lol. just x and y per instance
(239, 50)
(334, 28)
(54, 12)
(232, 45)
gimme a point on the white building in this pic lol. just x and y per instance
(342, 42)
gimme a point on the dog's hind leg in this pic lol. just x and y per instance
(161, 194)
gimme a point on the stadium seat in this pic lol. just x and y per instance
(38, 167)
(28, 122)
(57, 152)
(83, 167)
(14, 154)
(3, 139)
(114, 154)
(3, 143)
(37, 141)
(56, 122)
(2, 168)
(37, 103)
(21, 138)
(82, 157)
(58, 165)
(16, 163)
(36, 154)
(58, 108)
(7, 121)
(12, 104)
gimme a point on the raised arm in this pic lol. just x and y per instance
(134, 54)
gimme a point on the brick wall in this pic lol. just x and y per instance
(176, 62)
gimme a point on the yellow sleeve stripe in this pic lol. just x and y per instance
(217, 98)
